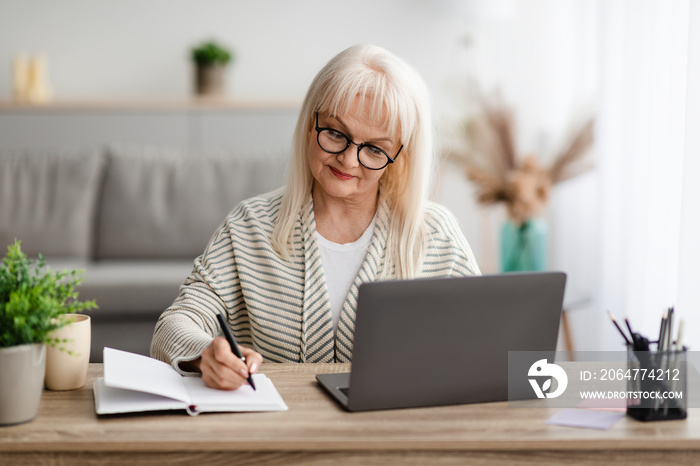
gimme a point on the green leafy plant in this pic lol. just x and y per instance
(211, 53)
(33, 299)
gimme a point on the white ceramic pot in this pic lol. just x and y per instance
(21, 382)
(67, 362)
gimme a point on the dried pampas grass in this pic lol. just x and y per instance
(489, 158)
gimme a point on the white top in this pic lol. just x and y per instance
(341, 262)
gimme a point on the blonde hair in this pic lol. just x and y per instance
(396, 91)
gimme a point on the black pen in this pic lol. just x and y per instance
(629, 327)
(614, 321)
(234, 347)
(668, 341)
(635, 336)
(662, 332)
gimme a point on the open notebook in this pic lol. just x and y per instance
(136, 383)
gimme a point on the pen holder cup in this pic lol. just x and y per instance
(656, 386)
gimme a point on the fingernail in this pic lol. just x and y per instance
(244, 373)
(253, 367)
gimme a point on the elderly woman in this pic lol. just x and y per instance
(284, 268)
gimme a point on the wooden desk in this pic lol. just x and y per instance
(316, 431)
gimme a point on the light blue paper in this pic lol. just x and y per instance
(585, 418)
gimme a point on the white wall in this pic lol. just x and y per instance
(536, 50)
(140, 47)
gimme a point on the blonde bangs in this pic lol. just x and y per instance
(373, 86)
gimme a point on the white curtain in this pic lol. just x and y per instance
(646, 204)
(688, 275)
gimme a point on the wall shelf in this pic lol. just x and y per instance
(149, 104)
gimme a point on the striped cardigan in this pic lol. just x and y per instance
(278, 307)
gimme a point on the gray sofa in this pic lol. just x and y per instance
(133, 217)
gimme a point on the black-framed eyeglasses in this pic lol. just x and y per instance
(335, 142)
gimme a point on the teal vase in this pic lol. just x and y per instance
(524, 247)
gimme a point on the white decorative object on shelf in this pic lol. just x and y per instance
(31, 78)
(20, 67)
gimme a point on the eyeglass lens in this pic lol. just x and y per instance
(336, 142)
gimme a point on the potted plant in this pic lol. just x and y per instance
(33, 300)
(211, 60)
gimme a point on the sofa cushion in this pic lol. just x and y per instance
(130, 288)
(167, 203)
(47, 200)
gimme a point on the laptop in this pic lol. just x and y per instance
(430, 342)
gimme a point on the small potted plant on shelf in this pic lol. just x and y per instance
(211, 60)
(34, 302)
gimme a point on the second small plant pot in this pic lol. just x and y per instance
(210, 80)
(67, 362)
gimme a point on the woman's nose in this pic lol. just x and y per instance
(349, 157)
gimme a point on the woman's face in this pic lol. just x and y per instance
(341, 176)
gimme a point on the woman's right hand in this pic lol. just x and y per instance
(222, 369)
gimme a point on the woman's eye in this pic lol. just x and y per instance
(337, 135)
(374, 151)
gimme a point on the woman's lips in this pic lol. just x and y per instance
(340, 175)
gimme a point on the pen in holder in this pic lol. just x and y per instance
(656, 384)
